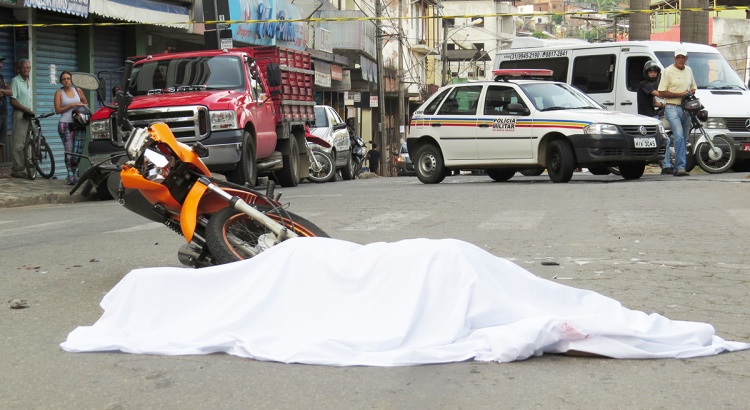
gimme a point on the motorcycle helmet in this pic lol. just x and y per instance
(651, 66)
(691, 103)
(81, 116)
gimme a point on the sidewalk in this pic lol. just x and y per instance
(15, 192)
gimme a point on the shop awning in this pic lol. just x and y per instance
(143, 11)
(74, 7)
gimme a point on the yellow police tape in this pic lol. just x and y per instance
(613, 13)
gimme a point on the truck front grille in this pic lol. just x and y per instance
(187, 123)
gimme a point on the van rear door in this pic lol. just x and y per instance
(594, 71)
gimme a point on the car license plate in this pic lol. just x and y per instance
(645, 142)
(746, 146)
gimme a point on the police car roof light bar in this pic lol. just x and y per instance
(522, 73)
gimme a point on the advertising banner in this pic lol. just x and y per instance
(281, 33)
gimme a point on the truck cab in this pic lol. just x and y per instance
(222, 99)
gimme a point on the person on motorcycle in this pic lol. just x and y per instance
(650, 105)
(677, 82)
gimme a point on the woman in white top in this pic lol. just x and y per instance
(67, 99)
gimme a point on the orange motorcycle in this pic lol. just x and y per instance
(165, 180)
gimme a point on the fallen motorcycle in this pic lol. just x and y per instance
(165, 180)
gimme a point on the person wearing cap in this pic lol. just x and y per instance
(676, 82)
(4, 92)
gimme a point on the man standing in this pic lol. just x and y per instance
(676, 82)
(4, 91)
(22, 103)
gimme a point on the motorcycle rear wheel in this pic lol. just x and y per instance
(232, 236)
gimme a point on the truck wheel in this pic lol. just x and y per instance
(632, 171)
(246, 171)
(347, 173)
(560, 161)
(429, 164)
(289, 175)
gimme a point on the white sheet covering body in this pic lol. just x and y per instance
(331, 302)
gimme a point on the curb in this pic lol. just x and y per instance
(11, 201)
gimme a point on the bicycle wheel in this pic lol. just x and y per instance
(29, 157)
(45, 160)
(718, 159)
(232, 236)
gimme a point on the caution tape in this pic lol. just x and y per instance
(615, 13)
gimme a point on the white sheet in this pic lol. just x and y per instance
(331, 302)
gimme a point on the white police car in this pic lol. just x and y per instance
(521, 121)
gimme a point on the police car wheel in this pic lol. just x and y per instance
(560, 161)
(429, 164)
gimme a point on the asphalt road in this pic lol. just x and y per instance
(675, 246)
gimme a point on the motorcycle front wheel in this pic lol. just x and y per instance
(323, 170)
(718, 159)
(232, 236)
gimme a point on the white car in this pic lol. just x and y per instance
(521, 121)
(329, 126)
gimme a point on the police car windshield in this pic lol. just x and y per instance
(555, 96)
(711, 70)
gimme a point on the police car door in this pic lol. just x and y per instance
(594, 74)
(455, 123)
(500, 134)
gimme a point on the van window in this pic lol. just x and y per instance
(711, 70)
(461, 101)
(558, 65)
(594, 74)
(432, 107)
(634, 72)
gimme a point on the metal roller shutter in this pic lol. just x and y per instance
(109, 55)
(7, 51)
(55, 45)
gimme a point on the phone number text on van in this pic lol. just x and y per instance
(536, 54)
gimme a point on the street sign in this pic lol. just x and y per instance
(373, 101)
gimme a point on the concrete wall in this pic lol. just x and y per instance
(732, 39)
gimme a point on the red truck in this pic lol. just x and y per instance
(224, 99)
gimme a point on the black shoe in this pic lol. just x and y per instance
(681, 173)
(19, 174)
(667, 171)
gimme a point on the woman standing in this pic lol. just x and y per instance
(67, 99)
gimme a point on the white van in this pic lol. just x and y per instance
(610, 73)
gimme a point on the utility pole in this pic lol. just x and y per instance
(381, 81)
(640, 23)
(444, 53)
(401, 115)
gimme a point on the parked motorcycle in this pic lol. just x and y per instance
(321, 165)
(165, 180)
(714, 154)
(359, 152)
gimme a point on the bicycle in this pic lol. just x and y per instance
(36, 152)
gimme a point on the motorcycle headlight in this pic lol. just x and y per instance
(155, 165)
(223, 120)
(600, 129)
(716, 123)
(101, 130)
